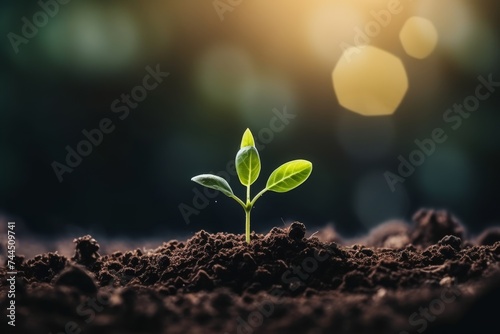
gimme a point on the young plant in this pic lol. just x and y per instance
(284, 178)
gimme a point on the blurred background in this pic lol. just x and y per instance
(66, 66)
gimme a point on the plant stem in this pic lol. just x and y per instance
(248, 209)
(257, 196)
(247, 224)
(248, 194)
(240, 202)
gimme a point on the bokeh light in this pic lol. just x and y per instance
(479, 50)
(223, 72)
(90, 39)
(331, 24)
(370, 81)
(418, 37)
(465, 37)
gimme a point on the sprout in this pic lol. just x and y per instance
(284, 178)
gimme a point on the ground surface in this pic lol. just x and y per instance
(400, 279)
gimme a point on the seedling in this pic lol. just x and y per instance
(284, 178)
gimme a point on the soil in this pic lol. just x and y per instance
(400, 279)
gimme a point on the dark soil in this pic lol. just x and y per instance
(427, 277)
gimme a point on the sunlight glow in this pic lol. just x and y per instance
(419, 37)
(370, 81)
(331, 24)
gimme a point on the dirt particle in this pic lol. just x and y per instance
(430, 226)
(203, 281)
(249, 260)
(139, 252)
(354, 279)
(447, 251)
(447, 281)
(367, 251)
(128, 272)
(263, 276)
(86, 250)
(219, 270)
(41, 271)
(228, 244)
(275, 231)
(163, 262)
(203, 235)
(451, 240)
(56, 261)
(134, 261)
(106, 278)
(116, 266)
(296, 231)
(459, 269)
(149, 278)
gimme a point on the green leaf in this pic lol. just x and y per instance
(247, 139)
(289, 176)
(214, 182)
(247, 165)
